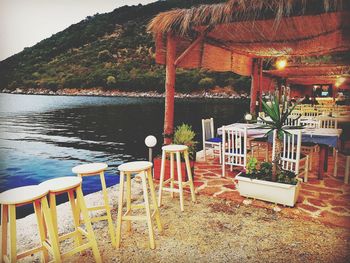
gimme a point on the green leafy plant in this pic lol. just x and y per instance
(278, 118)
(251, 165)
(185, 135)
(263, 171)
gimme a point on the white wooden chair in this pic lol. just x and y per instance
(309, 148)
(345, 155)
(328, 123)
(292, 121)
(309, 123)
(291, 157)
(310, 113)
(209, 139)
(296, 112)
(234, 147)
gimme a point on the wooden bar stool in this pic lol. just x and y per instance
(173, 150)
(144, 170)
(72, 185)
(18, 197)
(98, 169)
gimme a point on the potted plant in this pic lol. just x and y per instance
(267, 180)
(183, 135)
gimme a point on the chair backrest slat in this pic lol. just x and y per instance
(291, 147)
(207, 129)
(234, 146)
(328, 123)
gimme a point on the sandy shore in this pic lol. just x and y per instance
(117, 93)
(210, 230)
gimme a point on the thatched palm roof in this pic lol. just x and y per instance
(227, 36)
(185, 21)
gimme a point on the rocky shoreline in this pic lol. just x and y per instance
(117, 93)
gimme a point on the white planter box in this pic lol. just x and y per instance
(278, 193)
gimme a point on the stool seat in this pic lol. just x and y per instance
(90, 168)
(21, 195)
(174, 148)
(136, 166)
(61, 184)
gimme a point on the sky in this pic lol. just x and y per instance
(23, 23)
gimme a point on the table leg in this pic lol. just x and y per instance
(323, 161)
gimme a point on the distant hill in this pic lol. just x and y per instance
(112, 51)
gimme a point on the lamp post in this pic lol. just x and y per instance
(150, 142)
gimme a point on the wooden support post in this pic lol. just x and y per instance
(254, 86)
(260, 84)
(169, 89)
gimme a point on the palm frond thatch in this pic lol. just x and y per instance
(182, 21)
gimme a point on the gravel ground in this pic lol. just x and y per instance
(210, 230)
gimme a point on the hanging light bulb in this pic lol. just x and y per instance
(281, 63)
(339, 81)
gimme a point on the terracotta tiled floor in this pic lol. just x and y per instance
(325, 200)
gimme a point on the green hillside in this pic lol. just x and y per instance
(112, 51)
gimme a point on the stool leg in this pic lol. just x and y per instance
(76, 218)
(172, 173)
(154, 200)
(87, 222)
(120, 209)
(148, 212)
(108, 209)
(53, 210)
(128, 201)
(189, 172)
(162, 170)
(179, 178)
(42, 230)
(51, 230)
(13, 234)
(4, 219)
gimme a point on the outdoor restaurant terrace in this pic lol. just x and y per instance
(273, 187)
(243, 37)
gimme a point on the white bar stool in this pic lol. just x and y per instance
(172, 150)
(144, 170)
(72, 185)
(93, 169)
(18, 197)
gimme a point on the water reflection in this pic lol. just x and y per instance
(43, 137)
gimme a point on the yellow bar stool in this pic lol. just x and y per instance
(72, 185)
(175, 150)
(93, 169)
(20, 196)
(144, 170)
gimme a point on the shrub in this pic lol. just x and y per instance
(206, 83)
(111, 81)
(105, 55)
(185, 135)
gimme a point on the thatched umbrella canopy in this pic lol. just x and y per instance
(236, 35)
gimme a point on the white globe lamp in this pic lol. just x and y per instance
(150, 142)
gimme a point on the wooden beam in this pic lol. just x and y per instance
(189, 49)
(169, 89)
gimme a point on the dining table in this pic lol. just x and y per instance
(324, 137)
